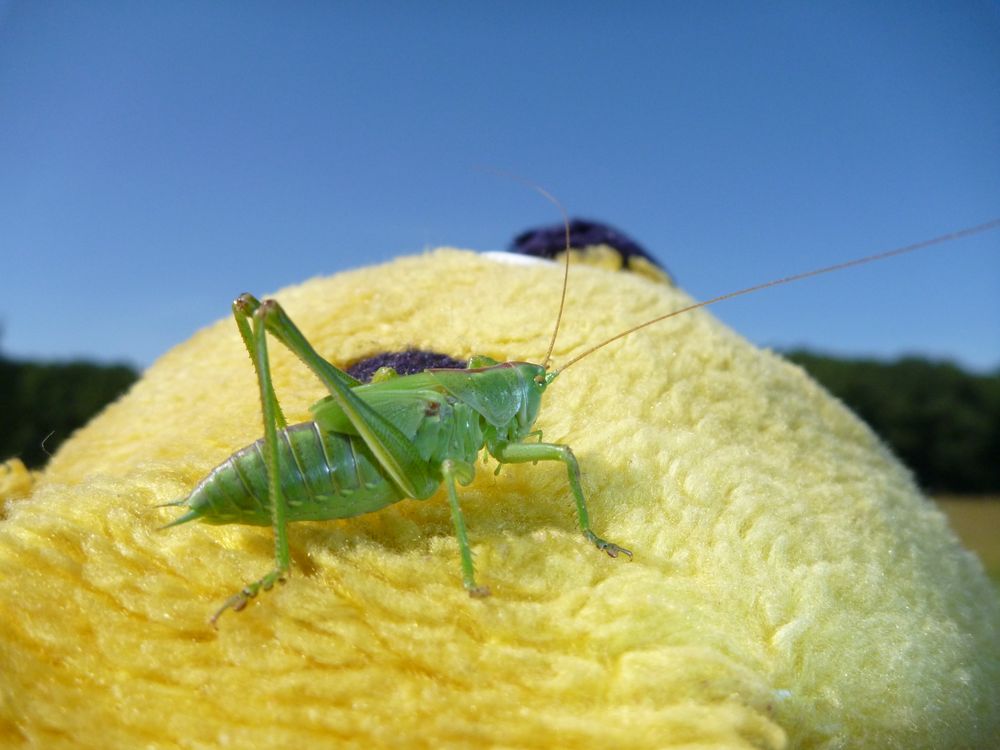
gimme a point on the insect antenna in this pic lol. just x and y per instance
(565, 216)
(959, 234)
(565, 284)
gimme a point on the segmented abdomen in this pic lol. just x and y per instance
(323, 476)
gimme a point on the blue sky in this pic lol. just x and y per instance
(156, 159)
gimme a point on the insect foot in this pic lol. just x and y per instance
(237, 602)
(612, 549)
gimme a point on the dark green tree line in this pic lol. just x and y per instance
(41, 404)
(943, 422)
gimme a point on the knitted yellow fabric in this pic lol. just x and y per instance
(790, 587)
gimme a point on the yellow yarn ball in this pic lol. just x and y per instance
(790, 587)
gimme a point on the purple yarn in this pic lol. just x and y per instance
(542, 242)
(404, 363)
(549, 241)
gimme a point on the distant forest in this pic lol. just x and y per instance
(943, 422)
(42, 403)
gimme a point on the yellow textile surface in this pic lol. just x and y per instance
(790, 587)
(15, 479)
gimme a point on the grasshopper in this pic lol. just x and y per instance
(370, 445)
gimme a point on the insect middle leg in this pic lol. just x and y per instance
(514, 453)
(452, 470)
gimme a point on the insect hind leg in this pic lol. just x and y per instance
(244, 308)
(255, 339)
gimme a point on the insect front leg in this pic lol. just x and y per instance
(256, 342)
(453, 470)
(514, 453)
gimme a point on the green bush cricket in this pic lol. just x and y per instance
(370, 445)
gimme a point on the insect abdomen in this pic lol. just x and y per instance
(324, 475)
